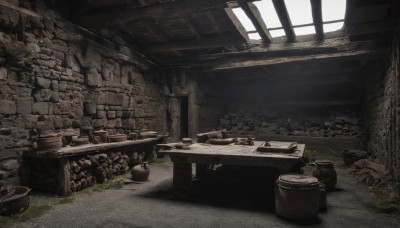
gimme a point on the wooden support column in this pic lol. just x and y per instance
(182, 176)
(283, 15)
(316, 7)
(64, 183)
(254, 15)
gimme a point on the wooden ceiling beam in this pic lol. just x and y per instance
(279, 50)
(316, 7)
(283, 15)
(210, 42)
(121, 15)
(282, 60)
(192, 27)
(254, 15)
(235, 21)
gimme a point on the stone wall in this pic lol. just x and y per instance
(382, 111)
(55, 75)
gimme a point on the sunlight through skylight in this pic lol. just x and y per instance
(300, 14)
(299, 11)
(241, 15)
(333, 27)
(268, 13)
(333, 10)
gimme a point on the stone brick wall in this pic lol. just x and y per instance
(382, 111)
(55, 75)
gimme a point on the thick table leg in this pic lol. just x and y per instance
(64, 182)
(182, 179)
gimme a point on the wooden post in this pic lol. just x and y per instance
(182, 176)
(64, 183)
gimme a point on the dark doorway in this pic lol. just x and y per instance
(184, 123)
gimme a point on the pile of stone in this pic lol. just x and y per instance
(89, 170)
(9, 172)
(369, 172)
(242, 123)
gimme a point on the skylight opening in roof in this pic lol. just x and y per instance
(333, 26)
(299, 12)
(241, 15)
(304, 30)
(277, 33)
(268, 13)
(333, 10)
(254, 36)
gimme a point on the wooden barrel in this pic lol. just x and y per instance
(297, 196)
(53, 142)
(326, 174)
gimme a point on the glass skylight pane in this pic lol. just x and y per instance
(268, 13)
(333, 10)
(299, 11)
(241, 15)
(254, 36)
(304, 30)
(277, 33)
(333, 27)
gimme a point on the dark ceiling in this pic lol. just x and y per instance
(204, 34)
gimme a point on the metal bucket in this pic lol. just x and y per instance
(297, 196)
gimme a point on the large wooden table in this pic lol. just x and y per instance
(239, 155)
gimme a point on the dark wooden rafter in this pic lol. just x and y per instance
(156, 30)
(283, 15)
(121, 15)
(209, 42)
(280, 53)
(255, 17)
(214, 23)
(316, 7)
(235, 21)
(192, 27)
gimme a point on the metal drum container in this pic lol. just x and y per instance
(297, 196)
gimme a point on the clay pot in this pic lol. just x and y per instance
(118, 138)
(80, 141)
(326, 174)
(50, 142)
(140, 172)
(102, 135)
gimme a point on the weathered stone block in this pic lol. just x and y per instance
(7, 107)
(93, 78)
(62, 86)
(43, 83)
(24, 105)
(115, 99)
(111, 114)
(41, 108)
(101, 114)
(42, 95)
(9, 18)
(118, 114)
(90, 108)
(3, 73)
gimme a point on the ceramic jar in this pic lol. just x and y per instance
(325, 172)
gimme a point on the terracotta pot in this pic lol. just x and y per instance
(326, 174)
(53, 142)
(118, 138)
(80, 141)
(140, 172)
(103, 136)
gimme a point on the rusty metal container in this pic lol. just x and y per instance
(325, 172)
(297, 196)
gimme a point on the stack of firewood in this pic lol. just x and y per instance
(368, 172)
(91, 169)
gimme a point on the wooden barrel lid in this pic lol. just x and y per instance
(298, 181)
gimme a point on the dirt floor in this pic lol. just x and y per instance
(228, 198)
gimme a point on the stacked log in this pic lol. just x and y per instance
(338, 124)
(92, 169)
